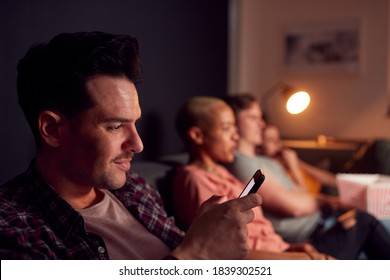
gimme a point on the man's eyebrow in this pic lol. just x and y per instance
(228, 122)
(115, 119)
(118, 119)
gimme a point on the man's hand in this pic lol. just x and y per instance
(210, 203)
(219, 232)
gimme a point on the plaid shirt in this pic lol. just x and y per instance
(35, 223)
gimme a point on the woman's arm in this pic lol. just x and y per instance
(322, 175)
(291, 163)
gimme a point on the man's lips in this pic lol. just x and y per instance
(123, 164)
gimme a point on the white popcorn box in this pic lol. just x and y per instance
(370, 192)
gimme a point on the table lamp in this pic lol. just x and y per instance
(296, 101)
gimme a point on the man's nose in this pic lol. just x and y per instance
(236, 135)
(261, 123)
(133, 142)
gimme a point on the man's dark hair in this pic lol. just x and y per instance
(53, 75)
(240, 102)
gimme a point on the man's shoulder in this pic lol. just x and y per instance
(15, 210)
(134, 188)
(265, 159)
(134, 179)
(135, 183)
(27, 197)
(13, 190)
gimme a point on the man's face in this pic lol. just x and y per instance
(100, 145)
(250, 124)
(220, 136)
(272, 144)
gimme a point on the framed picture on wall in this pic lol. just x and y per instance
(326, 47)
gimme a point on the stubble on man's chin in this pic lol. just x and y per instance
(109, 181)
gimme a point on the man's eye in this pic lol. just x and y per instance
(227, 128)
(115, 127)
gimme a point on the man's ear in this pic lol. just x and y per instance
(50, 127)
(195, 134)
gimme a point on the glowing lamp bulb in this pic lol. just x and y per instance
(298, 102)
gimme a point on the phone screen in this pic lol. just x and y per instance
(248, 187)
(254, 183)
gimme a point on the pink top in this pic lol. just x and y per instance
(193, 185)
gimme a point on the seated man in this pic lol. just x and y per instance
(296, 214)
(77, 199)
(207, 126)
(305, 176)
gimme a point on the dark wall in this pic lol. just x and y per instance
(183, 48)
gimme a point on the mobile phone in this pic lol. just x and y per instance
(254, 183)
